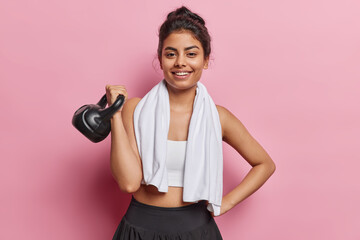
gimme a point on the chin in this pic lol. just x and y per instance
(181, 84)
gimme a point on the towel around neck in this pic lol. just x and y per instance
(203, 174)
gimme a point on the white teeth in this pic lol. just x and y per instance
(181, 73)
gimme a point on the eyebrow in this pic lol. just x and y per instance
(187, 48)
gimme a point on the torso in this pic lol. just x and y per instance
(148, 194)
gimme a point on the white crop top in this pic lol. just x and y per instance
(175, 162)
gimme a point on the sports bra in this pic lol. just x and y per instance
(175, 162)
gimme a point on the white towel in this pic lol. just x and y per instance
(203, 176)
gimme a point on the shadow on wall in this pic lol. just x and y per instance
(88, 193)
(105, 193)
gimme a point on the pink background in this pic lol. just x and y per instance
(289, 70)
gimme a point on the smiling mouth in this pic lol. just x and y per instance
(182, 73)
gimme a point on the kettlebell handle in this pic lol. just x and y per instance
(111, 110)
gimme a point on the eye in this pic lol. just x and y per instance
(170, 54)
(192, 54)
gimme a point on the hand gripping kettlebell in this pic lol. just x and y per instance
(93, 120)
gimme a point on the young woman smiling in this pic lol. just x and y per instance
(166, 147)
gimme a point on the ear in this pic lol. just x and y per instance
(206, 65)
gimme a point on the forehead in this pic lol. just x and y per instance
(181, 39)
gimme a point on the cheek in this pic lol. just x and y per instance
(166, 64)
(198, 65)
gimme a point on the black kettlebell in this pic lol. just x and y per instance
(93, 120)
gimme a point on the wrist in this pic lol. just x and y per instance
(228, 203)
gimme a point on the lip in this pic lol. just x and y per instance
(181, 76)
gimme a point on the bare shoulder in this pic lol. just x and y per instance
(223, 112)
(127, 112)
(131, 103)
(229, 123)
(129, 107)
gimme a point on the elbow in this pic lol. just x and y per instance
(272, 168)
(129, 188)
(268, 166)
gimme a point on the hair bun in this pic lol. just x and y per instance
(185, 12)
(182, 19)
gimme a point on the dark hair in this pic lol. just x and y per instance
(183, 19)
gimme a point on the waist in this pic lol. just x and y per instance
(184, 218)
(150, 195)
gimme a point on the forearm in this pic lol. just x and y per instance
(255, 178)
(125, 165)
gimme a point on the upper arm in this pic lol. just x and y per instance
(237, 136)
(127, 115)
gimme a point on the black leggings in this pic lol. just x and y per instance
(143, 222)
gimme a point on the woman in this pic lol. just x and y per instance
(169, 159)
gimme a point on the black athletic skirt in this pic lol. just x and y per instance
(145, 222)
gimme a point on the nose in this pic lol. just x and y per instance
(180, 61)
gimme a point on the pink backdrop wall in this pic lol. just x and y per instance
(289, 70)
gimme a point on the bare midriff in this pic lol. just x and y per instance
(149, 194)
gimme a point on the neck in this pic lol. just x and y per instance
(181, 100)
